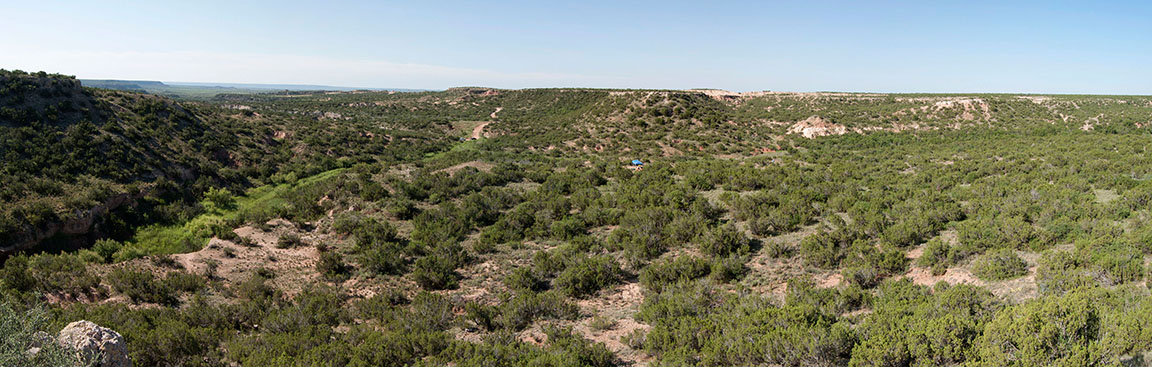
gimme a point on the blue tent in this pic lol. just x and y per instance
(637, 162)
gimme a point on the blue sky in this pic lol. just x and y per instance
(883, 46)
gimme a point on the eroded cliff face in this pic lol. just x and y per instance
(78, 227)
(816, 126)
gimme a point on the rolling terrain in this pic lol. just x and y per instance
(482, 227)
(201, 91)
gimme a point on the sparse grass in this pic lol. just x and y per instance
(601, 323)
(634, 339)
(468, 145)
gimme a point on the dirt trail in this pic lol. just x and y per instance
(478, 131)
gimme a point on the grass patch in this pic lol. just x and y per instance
(1105, 196)
(458, 147)
(194, 234)
(464, 128)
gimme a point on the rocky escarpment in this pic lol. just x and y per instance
(81, 224)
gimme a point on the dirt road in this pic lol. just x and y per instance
(478, 131)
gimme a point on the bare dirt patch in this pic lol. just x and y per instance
(293, 267)
(769, 276)
(482, 166)
(830, 280)
(668, 150)
(955, 275)
(619, 305)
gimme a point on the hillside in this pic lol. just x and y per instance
(69, 152)
(81, 163)
(487, 227)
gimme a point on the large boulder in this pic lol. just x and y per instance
(93, 343)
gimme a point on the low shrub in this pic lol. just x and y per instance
(484, 316)
(663, 273)
(289, 240)
(525, 279)
(107, 249)
(483, 247)
(821, 250)
(184, 282)
(725, 240)
(48, 273)
(729, 268)
(435, 272)
(18, 334)
(1051, 331)
(165, 261)
(999, 264)
(522, 308)
(220, 198)
(779, 249)
(1115, 263)
(634, 339)
(938, 256)
(431, 312)
(1059, 272)
(601, 323)
(587, 275)
(141, 287)
(332, 267)
(383, 259)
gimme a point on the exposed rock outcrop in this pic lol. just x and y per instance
(93, 343)
(815, 126)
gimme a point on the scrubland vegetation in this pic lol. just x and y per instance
(358, 229)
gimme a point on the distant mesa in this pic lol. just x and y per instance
(126, 85)
(202, 89)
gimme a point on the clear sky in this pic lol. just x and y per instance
(885, 46)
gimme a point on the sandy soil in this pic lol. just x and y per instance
(235, 263)
(620, 305)
(955, 275)
(478, 131)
